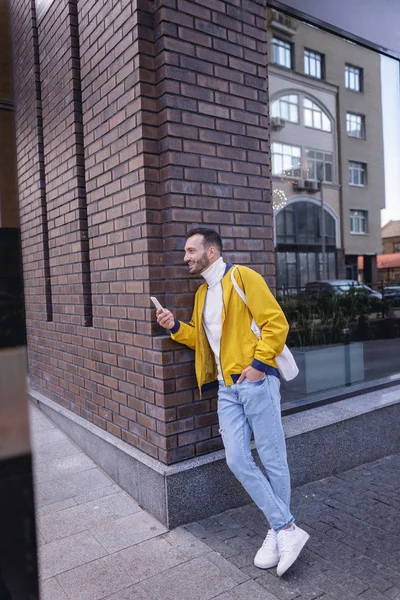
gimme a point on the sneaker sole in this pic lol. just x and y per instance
(305, 540)
(261, 565)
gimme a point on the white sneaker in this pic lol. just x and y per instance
(290, 544)
(268, 555)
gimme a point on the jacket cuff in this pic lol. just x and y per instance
(176, 327)
(260, 366)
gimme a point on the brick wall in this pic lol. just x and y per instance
(154, 120)
(210, 60)
(117, 92)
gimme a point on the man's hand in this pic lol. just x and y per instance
(251, 374)
(165, 318)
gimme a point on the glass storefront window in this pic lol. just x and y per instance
(329, 186)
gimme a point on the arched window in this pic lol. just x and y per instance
(286, 107)
(299, 254)
(300, 223)
(315, 117)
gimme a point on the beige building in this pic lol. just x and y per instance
(327, 151)
(391, 237)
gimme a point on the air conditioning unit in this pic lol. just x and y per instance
(306, 184)
(300, 184)
(311, 185)
(278, 123)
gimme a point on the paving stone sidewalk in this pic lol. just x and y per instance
(96, 542)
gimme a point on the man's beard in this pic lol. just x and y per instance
(202, 264)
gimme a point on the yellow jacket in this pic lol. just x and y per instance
(239, 348)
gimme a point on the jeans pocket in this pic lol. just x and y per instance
(257, 382)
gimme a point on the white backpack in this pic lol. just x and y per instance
(286, 364)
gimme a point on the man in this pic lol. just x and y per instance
(227, 350)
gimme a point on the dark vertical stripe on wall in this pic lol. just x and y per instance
(43, 201)
(80, 164)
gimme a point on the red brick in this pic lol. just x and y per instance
(191, 437)
(195, 37)
(194, 9)
(207, 446)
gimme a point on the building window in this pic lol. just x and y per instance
(285, 159)
(282, 53)
(315, 117)
(299, 245)
(358, 221)
(317, 161)
(357, 173)
(353, 79)
(313, 64)
(300, 223)
(355, 125)
(287, 107)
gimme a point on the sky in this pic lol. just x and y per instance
(390, 74)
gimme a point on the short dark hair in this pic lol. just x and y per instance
(210, 237)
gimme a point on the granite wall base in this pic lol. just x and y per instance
(203, 486)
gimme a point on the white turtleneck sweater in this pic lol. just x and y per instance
(212, 314)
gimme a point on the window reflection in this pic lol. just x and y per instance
(319, 151)
(328, 190)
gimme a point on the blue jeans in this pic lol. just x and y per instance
(254, 406)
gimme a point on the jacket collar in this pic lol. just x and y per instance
(228, 266)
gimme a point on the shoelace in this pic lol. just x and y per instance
(269, 540)
(283, 545)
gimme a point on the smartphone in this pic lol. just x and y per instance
(156, 302)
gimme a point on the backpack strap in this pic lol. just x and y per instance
(236, 286)
(254, 327)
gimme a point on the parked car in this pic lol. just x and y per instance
(317, 289)
(392, 292)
